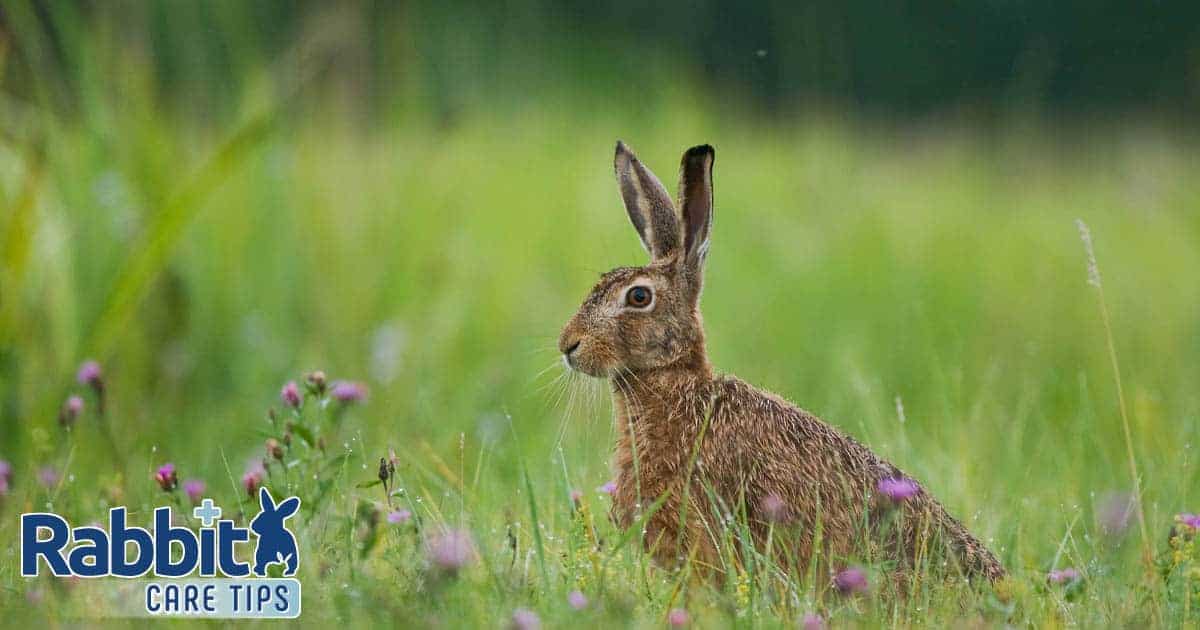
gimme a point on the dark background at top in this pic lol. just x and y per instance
(903, 58)
(917, 56)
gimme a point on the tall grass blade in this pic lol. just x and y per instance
(147, 261)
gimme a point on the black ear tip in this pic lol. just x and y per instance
(701, 151)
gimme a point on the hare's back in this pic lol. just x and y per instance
(775, 428)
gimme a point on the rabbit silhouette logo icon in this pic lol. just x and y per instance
(194, 570)
(276, 544)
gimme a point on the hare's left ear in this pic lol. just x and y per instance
(288, 507)
(696, 202)
(647, 203)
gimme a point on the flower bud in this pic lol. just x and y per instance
(384, 473)
(316, 381)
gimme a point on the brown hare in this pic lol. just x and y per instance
(724, 447)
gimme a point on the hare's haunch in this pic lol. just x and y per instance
(641, 328)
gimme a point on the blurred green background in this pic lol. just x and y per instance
(213, 198)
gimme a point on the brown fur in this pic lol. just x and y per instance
(755, 451)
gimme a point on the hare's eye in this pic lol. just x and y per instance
(639, 297)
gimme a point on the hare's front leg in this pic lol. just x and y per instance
(694, 544)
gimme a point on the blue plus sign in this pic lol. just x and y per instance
(207, 512)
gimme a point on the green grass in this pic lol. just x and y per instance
(855, 269)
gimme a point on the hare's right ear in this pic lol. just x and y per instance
(648, 204)
(288, 507)
(696, 202)
(265, 500)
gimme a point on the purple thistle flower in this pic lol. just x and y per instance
(48, 476)
(70, 411)
(1190, 520)
(250, 482)
(609, 487)
(898, 489)
(290, 395)
(399, 517)
(89, 373)
(525, 619)
(850, 581)
(253, 477)
(166, 477)
(451, 550)
(348, 392)
(194, 489)
(5, 477)
(774, 509)
(577, 600)
(678, 618)
(1064, 576)
(812, 621)
(1113, 513)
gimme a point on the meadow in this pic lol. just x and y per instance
(923, 287)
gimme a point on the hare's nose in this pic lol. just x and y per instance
(567, 347)
(569, 340)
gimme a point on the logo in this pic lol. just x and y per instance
(227, 588)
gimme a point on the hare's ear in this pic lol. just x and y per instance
(288, 507)
(265, 500)
(648, 204)
(696, 202)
